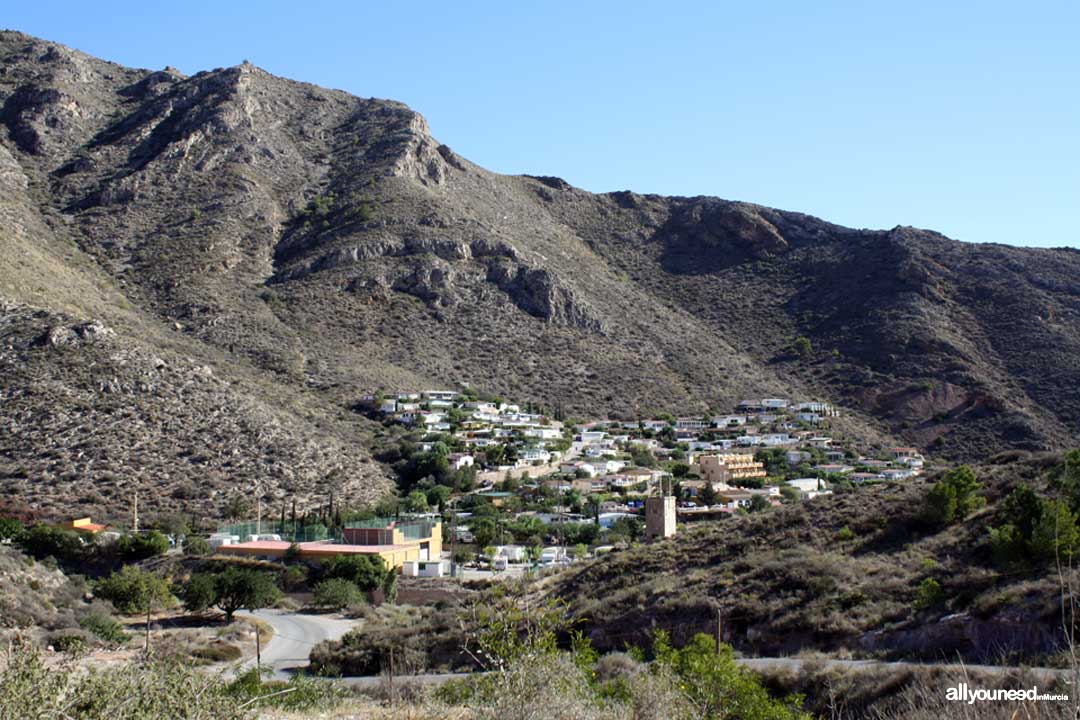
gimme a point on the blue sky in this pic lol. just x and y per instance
(963, 117)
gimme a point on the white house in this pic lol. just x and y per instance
(447, 395)
(573, 467)
(806, 485)
(424, 568)
(543, 433)
(533, 454)
(461, 460)
(695, 424)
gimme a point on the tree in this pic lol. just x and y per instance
(1067, 479)
(337, 593)
(132, 548)
(940, 508)
(1022, 508)
(579, 551)
(483, 531)
(200, 592)
(232, 589)
(416, 502)
(1008, 544)
(390, 587)
(438, 495)
(628, 528)
(642, 456)
(759, 503)
(367, 572)
(708, 496)
(237, 507)
(953, 497)
(42, 541)
(1055, 535)
(133, 591)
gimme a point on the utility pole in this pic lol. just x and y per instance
(453, 542)
(146, 644)
(391, 674)
(258, 649)
(719, 629)
(135, 512)
(258, 509)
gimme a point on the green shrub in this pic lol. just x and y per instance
(104, 627)
(953, 497)
(132, 548)
(337, 593)
(929, 594)
(133, 590)
(42, 541)
(365, 571)
(197, 546)
(11, 529)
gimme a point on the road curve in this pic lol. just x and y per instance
(295, 634)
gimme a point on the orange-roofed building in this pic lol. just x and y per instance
(83, 525)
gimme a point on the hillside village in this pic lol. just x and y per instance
(537, 469)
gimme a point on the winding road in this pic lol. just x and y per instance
(295, 635)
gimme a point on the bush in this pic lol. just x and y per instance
(104, 627)
(1055, 535)
(337, 593)
(197, 546)
(716, 685)
(365, 571)
(70, 641)
(929, 594)
(954, 497)
(133, 590)
(11, 529)
(137, 691)
(132, 548)
(42, 541)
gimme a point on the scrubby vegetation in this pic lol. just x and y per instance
(864, 571)
(155, 690)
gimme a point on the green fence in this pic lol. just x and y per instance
(292, 532)
(411, 529)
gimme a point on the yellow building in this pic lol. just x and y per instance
(83, 525)
(394, 542)
(729, 467)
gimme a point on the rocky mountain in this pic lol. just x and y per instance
(201, 275)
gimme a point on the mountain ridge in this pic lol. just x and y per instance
(311, 246)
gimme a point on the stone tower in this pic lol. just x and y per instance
(660, 513)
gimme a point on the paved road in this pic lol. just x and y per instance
(294, 636)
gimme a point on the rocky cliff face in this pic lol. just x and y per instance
(318, 245)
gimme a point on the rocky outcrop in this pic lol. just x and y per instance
(541, 294)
